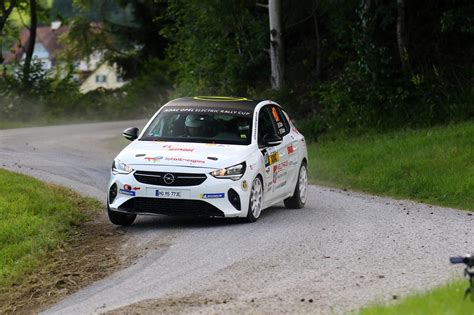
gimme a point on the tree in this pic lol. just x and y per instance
(276, 44)
(6, 9)
(62, 9)
(401, 36)
(31, 42)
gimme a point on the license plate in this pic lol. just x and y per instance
(168, 193)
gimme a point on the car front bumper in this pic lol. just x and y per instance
(212, 198)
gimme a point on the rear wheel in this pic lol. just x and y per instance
(120, 218)
(255, 204)
(298, 200)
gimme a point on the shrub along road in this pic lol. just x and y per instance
(342, 251)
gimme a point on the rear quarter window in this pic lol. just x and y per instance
(283, 126)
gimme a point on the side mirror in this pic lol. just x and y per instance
(130, 133)
(272, 140)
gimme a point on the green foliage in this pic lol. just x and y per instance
(52, 99)
(34, 219)
(218, 46)
(431, 165)
(447, 299)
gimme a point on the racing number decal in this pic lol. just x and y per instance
(270, 157)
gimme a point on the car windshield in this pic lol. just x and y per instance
(198, 124)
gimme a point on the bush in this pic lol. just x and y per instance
(47, 98)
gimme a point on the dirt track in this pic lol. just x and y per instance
(342, 251)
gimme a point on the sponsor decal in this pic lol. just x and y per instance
(178, 159)
(204, 110)
(270, 157)
(293, 162)
(173, 148)
(212, 196)
(154, 159)
(280, 185)
(140, 155)
(245, 185)
(279, 167)
(255, 127)
(127, 192)
(127, 187)
(273, 158)
(268, 171)
(212, 158)
(136, 188)
(290, 149)
(170, 194)
(275, 114)
(282, 174)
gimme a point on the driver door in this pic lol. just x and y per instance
(275, 157)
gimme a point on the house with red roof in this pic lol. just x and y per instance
(92, 74)
(47, 45)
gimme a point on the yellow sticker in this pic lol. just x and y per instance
(245, 185)
(273, 158)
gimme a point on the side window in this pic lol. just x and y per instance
(265, 124)
(280, 121)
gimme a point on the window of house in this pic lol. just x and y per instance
(100, 78)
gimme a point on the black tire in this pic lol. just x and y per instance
(298, 200)
(120, 218)
(253, 216)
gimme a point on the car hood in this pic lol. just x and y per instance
(205, 155)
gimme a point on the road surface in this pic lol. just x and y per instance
(342, 251)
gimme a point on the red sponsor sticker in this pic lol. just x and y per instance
(290, 149)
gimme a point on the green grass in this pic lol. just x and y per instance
(433, 165)
(35, 218)
(447, 299)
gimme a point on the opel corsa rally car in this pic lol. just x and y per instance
(210, 156)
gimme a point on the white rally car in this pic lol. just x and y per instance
(210, 156)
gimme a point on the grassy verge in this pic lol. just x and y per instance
(446, 299)
(35, 219)
(431, 165)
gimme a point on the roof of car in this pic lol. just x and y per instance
(215, 101)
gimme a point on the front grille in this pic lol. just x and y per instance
(180, 179)
(171, 207)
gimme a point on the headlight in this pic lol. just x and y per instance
(119, 167)
(232, 172)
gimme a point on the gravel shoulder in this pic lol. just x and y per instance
(342, 251)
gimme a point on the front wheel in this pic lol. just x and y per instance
(120, 218)
(255, 203)
(298, 200)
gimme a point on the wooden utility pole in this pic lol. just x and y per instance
(276, 44)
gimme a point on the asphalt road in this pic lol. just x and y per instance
(342, 251)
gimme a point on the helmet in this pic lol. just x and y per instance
(196, 125)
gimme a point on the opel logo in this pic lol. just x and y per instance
(168, 178)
